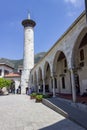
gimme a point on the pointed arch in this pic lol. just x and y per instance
(79, 61)
(35, 78)
(40, 73)
(61, 73)
(47, 74)
(32, 79)
(58, 57)
(81, 35)
(47, 68)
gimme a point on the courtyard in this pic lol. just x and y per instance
(18, 112)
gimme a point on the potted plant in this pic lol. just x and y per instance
(33, 96)
(39, 98)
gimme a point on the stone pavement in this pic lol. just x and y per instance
(18, 112)
(66, 108)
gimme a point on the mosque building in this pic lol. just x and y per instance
(64, 67)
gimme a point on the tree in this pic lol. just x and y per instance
(5, 83)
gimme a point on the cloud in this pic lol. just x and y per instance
(71, 14)
(74, 7)
(75, 3)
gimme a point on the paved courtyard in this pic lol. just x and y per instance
(18, 112)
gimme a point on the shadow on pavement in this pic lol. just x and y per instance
(63, 125)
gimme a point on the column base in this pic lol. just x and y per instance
(23, 91)
(54, 96)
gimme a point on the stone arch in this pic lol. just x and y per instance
(76, 45)
(32, 79)
(79, 62)
(40, 73)
(47, 76)
(46, 67)
(58, 56)
(61, 73)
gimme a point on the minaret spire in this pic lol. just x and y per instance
(28, 15)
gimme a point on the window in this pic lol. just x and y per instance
(0, 72)
(52, 82)
(65, 63)
(6, 72)
(55, 83)
(63, 82)
(81, 58)
(65, 66)
(20, 71)
(81, 55)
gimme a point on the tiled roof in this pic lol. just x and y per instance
(13, 75)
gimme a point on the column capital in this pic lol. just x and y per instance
(43, 79)
(73, 69)
(53, 74)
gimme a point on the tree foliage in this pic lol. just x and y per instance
(5, 83)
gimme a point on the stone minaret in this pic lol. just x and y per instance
(28, 59)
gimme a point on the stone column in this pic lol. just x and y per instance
(54, 93)
(37, 87)
(28, 59)
(73, 85)
(51, 84)
(43, 86)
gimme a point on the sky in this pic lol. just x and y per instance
(52, 17)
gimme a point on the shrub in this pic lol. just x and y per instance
(39, 98)
(49, 95)
(5, 83)
(46, 96)
(33, 95)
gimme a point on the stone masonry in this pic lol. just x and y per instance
(28, 62)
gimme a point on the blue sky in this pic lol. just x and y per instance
(53, 17)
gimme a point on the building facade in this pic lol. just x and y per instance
(16, 80)
(5, 69)
(7, 72)
(64, 67)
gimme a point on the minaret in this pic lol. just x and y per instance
(28, 59)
